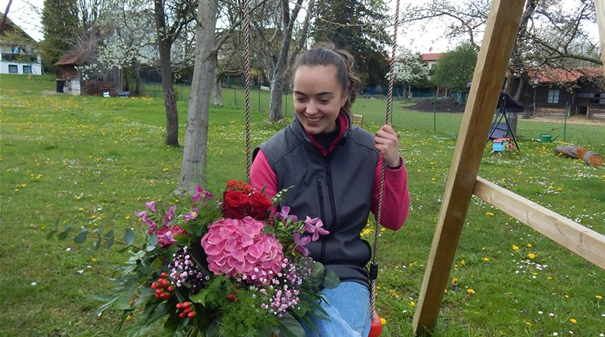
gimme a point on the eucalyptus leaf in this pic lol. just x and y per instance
(318, 271)
(81, 237)
(99, 241)
(64, 233)
(152, 240)
(109, 239)
(331, 280)
(289, 326)
(51, 234)
(129, 236)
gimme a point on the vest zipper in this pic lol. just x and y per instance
(331, 192)
(323, 217)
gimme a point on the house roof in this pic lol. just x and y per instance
(564, 75)
(431, 56)
(77, 56)
(9, 26)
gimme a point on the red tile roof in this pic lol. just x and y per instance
(563, 75)
(431, 56)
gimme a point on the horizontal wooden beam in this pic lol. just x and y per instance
(580, 240)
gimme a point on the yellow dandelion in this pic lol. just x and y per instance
(528, 323)
(489, 213)
(462, 262)
(531, 256)
(412, 304)
(445, 291)
(486, 259)
(383, 321)
(573, 320)
(549, 278)
(470, 291)
(566, 296)
(127, 217)
(454, 280)
(367, 231)
(433, 179)
(515, 247)
(599, 297)
(78, 197)
(382, 229)
(94, 259)
(529, 245)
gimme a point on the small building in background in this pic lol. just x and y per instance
(19, 52)
(554, 92)
(96, 82)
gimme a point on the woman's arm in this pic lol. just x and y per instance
(262, 175)
(395, 198)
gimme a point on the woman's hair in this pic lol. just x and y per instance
(325, 54)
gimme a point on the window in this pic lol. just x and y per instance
(553, 96)
(13, 69)
(27, 69)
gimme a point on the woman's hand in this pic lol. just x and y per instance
(387, 142)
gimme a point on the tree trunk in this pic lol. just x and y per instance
(126, 86)
(164, 46)
(193, 170)
(217, 93)
(137, 77)
(279, 74)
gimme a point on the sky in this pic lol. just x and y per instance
(25, 13)
(421, 38)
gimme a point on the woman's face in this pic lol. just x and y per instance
(318, 98)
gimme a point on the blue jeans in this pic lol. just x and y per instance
(348, 308)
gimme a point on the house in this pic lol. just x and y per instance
(431, 60)
(552, 92)
(97, 82)
(18, 51)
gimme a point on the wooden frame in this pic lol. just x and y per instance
(496, 48)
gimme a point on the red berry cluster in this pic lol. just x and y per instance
(233, 296)
(187, 308)
(162, 287)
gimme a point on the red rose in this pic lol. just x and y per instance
(238, 186)
(259, 206)
(234, 204)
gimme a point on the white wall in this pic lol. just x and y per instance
(36, 68)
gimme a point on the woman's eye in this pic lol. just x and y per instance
(300, 99)
(324, 101)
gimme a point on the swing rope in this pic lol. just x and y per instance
(247, 82)
(374, 265)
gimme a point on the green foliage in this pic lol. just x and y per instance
(455, 69)
(60, 24)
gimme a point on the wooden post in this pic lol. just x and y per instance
(600, 9)
(496, 48)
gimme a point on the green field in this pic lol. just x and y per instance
(92, 161)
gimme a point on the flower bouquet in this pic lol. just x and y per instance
(234, 267)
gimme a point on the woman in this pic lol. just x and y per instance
(334, 169)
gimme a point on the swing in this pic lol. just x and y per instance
(376, 325)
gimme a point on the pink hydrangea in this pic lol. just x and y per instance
(166, 235)
(239, 248)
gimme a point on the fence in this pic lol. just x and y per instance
(436, 115)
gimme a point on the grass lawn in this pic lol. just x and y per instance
(92, 161)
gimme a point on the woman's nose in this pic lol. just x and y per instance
(311, 108)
